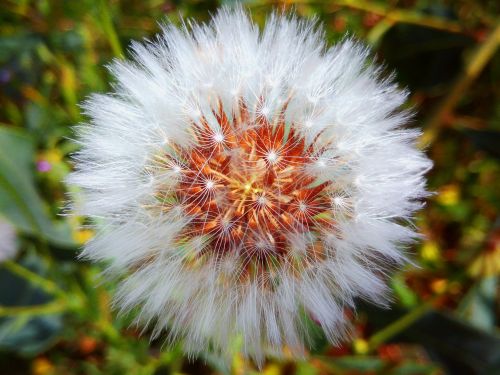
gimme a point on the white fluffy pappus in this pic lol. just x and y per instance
(242, 178)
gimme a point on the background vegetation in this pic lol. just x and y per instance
(55, 316)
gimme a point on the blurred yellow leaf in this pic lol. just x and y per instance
(439, 286)
(360, 346)
(83, 235)
(449, 195)
(486, 264)
(430, 251)
(42, 366)
(272, 369)
(53, 156)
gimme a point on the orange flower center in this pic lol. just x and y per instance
(246, 189)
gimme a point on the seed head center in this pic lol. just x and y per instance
(255, 188)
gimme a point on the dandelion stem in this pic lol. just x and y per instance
(394, 15)
(35, 279)
(378, 31)
(398, 326)
(400, 15)
(472, 70)
(109, 30)
(45, 309)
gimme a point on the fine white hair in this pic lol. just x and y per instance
(337, 101)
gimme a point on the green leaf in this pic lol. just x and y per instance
(316, 337)
(25, 333)
(305, 368)
(413, 368)
(407, 296)
(359, 363)
(479, 304)
(19, 200)
(29, 336)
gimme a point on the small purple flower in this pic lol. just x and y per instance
(43, 166)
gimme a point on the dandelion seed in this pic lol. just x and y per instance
(272, 157)
(269, 215)
(218, 138)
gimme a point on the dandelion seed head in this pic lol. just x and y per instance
(249, 214)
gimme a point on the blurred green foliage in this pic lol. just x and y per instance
(55, 316)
